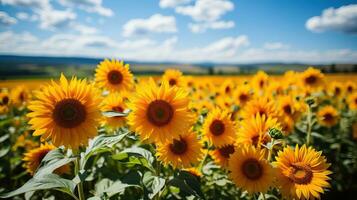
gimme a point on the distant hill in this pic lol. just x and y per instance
(41, 66)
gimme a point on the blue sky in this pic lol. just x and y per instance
(241, 31)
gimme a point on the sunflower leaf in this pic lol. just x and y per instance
(113, 113)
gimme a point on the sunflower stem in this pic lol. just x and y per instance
(309, 126)
(271, 150)
(80, 184)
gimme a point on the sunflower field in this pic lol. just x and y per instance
(117, 136)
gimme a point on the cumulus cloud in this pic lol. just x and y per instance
(6, 20)
(53, 19)
(202, 27)
(26, 17)
(34, 4)
(275, 45)
(155, 24)
(92, 6)
(206, 10)
(84, 29)
(343, 19)
(172, 3)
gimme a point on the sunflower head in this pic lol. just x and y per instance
(173, 77)
(290, 107)
(249, 169)
(302, 173)
(159, 113)
(218, 128)
(328, 116)
(260, 80)
(260, 106)
(221, 154)
(242, 95)
(4, 101)
(20, 95)
(352, 101)
(114, 75)
(312, 78)
(67, 113)
(114, 102)
(227, 87)
(336, 89)
(33, 158)
(350, 87)
(183, 152)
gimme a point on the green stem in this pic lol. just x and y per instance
(80, 184)
(271, 150)
(309, 126)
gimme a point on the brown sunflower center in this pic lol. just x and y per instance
(172, 82)
(69, 113)
(262, 112)
(300, 173)
(328, 117)
(337, 91)
(261, 83)
(243, 97)
(115, 77)
(311, 79)
(118, 109)
(349, 88)
(22, 96)
(217, 127)
(226, 151)
(252, 169)
(228, 89)
(287, 109)
(178, 147)
(42, 155)
(160, 113)
(5, 100)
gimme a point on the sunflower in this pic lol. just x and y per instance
(33, 158)
(159, 113)
(173, 77)
(352, 101)
(312, 78)
(328, 116)
(20, 95)
(227, 88)
(254, 131)
(260, 80)
(242, 95)
(4, 102)
(302, 173)
(218, 128)
(23, 142)
(194, 171)
(114, 102)
(350, 87)
(336, 89)
(183, 152)
(261, 106)
(114, 75)
(67, 113)
(224, 102)
(221, 155)
(289, 107)
(249, 170)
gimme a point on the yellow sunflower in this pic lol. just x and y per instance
(4, 102)
(218, 128)
(184, 152)
(114, 75)
(114, 102)
(302, 173)
(261, 106)
(250, 170)
(350, 87)
(194, 171)
(242, 95)
(312, 78)
(352, 101)
(260, 80)
(328, 116)
(290, 107)
(227, 88)
(174, 77)
(20, 95)
(159, 113)
(254, 131)
(67, 113)
(221, 155)
(33, 158)
(336, 89)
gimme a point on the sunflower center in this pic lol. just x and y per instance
(262, 112)
(22, 96)
(172, 82)
(228, 89)
(226, 151)
(300, 174)
(287, 109)
(5, 100)
(160, 113)
(178, 147)
(311, 79)
(69, 113)
(115, 77)
(261, 83)
(337, 91)
(252, 169)
(328, 117)
(217, 127)
(243, 97)
(349, 89)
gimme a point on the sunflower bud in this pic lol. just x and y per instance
(275, 133)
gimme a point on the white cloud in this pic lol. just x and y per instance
(206, 10)
(34, 4)
(26, 17)
(343, 19)
(6, 20)
(51, 19)
(172, 3)
(227, 44)
(202, 27)
(155, 24)
(84, 29)
(92, 6)
(275, 45)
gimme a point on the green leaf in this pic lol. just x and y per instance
(136, 156)
(153, 183)
(53, 160)
(118, 187)
(116, 114)
(140, 151)
(187, 183)
(101, 143)
(45, 182)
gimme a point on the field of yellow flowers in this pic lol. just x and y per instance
(118, 136)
